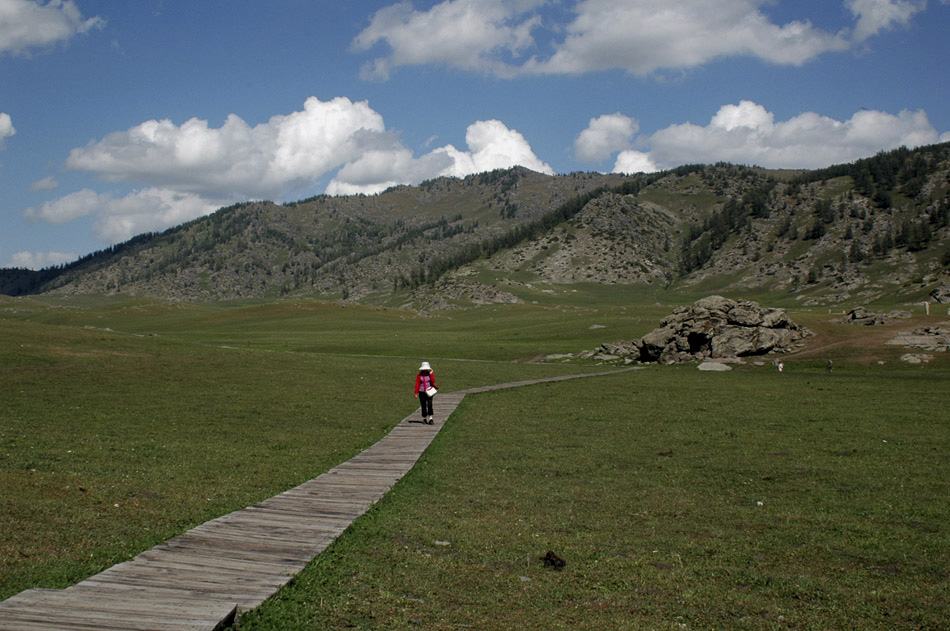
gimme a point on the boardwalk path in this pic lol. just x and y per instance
(200, 579)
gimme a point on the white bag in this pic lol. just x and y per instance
(430, 392)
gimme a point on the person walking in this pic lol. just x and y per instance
(425, 390)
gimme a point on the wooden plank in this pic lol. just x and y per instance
(103, 609)
(65, 612)
(372, 468)
(295, 527)
(194, 587)
(291, 532)
(225, 582)
(210, 562)
(41, 622)
(267, 545)
(211, 549)
(163, 594)
(233, 541)
(341, 488)
(313, 500)
(309, 506)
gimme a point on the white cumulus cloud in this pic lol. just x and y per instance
(6, 127)
(68, 208)
(46, 184)
(119, 218)
(235, 161)
(378, 169)
(501, 37)
(632, 161)
(188, 170)
(26, 24)
(291, 152)
(605, 135)
(469, 34)
(874, 16)
(643, 36)
(39, 260)
(491, 145)
(747, 133)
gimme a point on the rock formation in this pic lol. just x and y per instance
(861, 315)
(928, 338)
(718, 327)
(941, 295)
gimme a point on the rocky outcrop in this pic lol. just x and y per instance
(863, 316)
(941, 295)
(928, 338)
(717, 327)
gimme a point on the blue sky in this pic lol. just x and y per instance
(119, 117)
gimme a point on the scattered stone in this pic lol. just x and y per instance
(917, 358)
(711, 366)
(620, 348)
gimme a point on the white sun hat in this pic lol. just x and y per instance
(425, 366)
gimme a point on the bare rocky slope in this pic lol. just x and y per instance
(849, 233)
(821, 237)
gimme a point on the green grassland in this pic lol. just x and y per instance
(679, 499)
(124, 422)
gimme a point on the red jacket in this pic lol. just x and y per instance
(421, 382)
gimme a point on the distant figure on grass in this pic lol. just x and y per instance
(425, 390)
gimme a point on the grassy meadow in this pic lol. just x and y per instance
(678, 499)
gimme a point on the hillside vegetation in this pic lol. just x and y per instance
(877, 228)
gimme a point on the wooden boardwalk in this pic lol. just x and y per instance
(200, 580)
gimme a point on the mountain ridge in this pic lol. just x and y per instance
(875, 227)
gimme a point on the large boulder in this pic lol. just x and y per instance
(717, 327)
(656, 341)
(739, 341)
